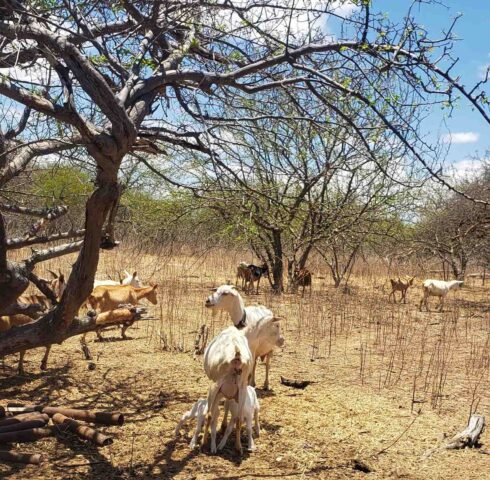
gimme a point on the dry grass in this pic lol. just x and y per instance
(381, 370)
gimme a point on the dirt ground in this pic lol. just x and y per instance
(354, 421)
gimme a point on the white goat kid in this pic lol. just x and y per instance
(437, 288)
(128, 279)
(198, 412)
(251, 411)
(227, 298)
(228, 362)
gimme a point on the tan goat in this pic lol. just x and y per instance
(106, 298)
(402, 286)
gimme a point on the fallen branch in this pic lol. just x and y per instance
(104, 418)
(19, 457)
(65, 424)
(300, 384)
(26, 435)
(470, 435)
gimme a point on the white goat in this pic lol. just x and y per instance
(227, 298)
(437, 288)
(198, 411)
(228, 362)
(251, 411)
(128, 279)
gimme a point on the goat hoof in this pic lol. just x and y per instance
(44, 367)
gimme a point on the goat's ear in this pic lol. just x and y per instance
(213, 289)
(277, 319)
(53, 274)
(126, 273)
(61, 278)
(135, 274)
(155, 286)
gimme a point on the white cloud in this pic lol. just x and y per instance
(461, 137)
(465, 169)
(344, 8)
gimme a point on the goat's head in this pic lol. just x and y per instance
(152, 295)
(132, 280)
(222, 297)
(265, 268)
(58, 283)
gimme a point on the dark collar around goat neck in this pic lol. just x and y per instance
(243, 322)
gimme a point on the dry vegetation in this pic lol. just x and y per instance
(389, 381)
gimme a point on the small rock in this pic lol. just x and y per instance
(91, 366)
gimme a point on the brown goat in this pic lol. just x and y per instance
(303, 278)
(106, 298)
(402, 286)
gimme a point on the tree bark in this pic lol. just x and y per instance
(39, 334)
(278, 265)
(81, 280)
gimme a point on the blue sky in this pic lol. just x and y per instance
(468, 130)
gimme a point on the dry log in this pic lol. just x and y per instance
(66, 424)
(26, 435)
(19, 457)
(16, 427)
(24, 417)
(300, 384)
(470, 435)
(104, 418)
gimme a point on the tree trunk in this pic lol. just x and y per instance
(278, 266)
(81, 280)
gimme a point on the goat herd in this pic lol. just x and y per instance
(230, 358)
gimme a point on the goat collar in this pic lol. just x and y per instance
(243, 322)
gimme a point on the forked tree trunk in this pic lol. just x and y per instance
(54, 326)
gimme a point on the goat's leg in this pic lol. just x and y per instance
(44, 361)
(228, 430)
(98, 331)
(125, 326)
(185, 417)
(214, 423)
(242, 392)
(267, 367)
(258, 283)
(224, 423)
(212, 395)
(257, 421)
(252, 377)
(251, 443)
(200, 421)
(21, 362)
(441, 303)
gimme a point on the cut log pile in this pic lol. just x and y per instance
(28, 423)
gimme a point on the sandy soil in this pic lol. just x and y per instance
(342, 426)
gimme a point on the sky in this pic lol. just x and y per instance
(466, 130)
